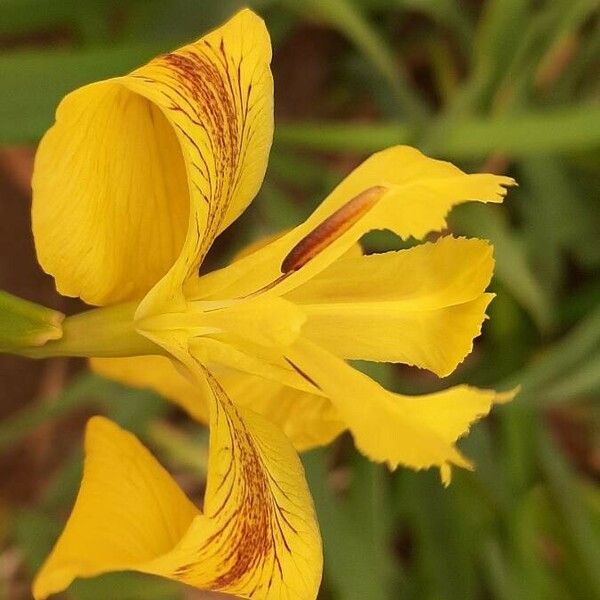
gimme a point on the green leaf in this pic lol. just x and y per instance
(560, 359)
(34, 533)
(564, 129)
(342, 137)
(501, 577)
(516, 422)
(134, 409)
(354, 546)
(496, 39)
(445, 535)
(369, 503)
(573, 513)
(181, 449)
(555, 217)
(23, 16)
(525, 531)
(450, 13)
(584, 380)
(529, 133)
(491, 482)
(125, 586)
(578, 74)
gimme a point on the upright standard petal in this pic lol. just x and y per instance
(398, 189)
(257, 536)
(140, 173)
(421, 306)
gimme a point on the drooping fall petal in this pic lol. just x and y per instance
(421, 306)
(417, 432)
(257, 536)
(140, 173)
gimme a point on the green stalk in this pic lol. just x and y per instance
(100, 332)
(24, 324)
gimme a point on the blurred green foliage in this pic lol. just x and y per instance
(509, 85)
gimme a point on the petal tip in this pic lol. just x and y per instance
(446, 474)
(97, 425)
(51, 581)
(507, 396)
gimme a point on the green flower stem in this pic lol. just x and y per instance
(24, 324)
(101, 332)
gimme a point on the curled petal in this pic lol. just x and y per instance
(128, 511)
(140, 173)
(257, 536)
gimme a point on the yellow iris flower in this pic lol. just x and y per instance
(132, 184)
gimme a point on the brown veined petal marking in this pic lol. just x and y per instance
(140, 173)
(258, 537)
(218, 95)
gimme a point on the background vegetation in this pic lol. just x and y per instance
(503, 85)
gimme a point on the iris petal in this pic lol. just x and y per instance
(127, 512)
(140, 173)
(415, 195)
(257, 536)
(421, 306)
(417, 432)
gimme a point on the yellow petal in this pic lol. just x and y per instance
(265, 321)
(127, 512)
(417, 432)
(308, 420)
(257, 536)
(157, 373)
(421, 306)
(110, 200)
(244, 359)
(408, 193)
(248, 335)
(140, 173)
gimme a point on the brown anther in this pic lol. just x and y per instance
(331, 229)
